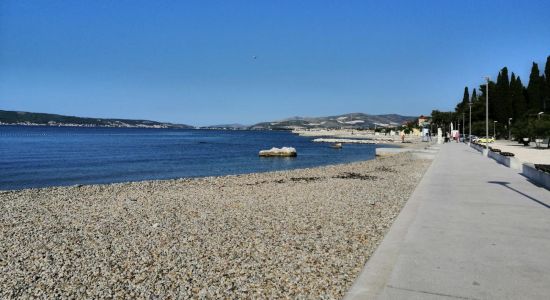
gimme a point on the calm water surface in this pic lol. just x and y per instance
(56, 156)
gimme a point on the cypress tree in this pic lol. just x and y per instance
(466, 97)
(519, 103)
(478, 110)
(495, 100)
(546, 95)
(512, 93)
(470, 109)
(505, 100)
(461, 107)
(534, 89)
(492, 98)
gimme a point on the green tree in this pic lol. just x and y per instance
(442, 119)
(521, 129)
(508, 98)
(534, 89)
(463, 105)
(519, 103)
(473, 101)
(546, 93)
(481, 105)
(502, 98)
(540, 127)
(478, 128)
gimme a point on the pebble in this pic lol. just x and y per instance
(291, 234)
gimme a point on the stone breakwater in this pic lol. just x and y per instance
(292, 234)
(346, 141)
(357, 135)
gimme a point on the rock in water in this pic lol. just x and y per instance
(285, 152)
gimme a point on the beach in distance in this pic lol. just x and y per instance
(302, 233)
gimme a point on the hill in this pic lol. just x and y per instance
(352, 120)
(30, 118)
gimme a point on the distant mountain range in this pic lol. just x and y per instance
(351, 120)
(30, 118)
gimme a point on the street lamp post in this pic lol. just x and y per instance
(458, 134)
(510, 129)
(495, 129)
(487, 117)
(470, 125)
(463, 123)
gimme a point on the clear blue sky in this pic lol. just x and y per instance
(192, 61)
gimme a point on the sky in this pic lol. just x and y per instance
(218, 62)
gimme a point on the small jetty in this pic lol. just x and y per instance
(348, 141)
(279, 152)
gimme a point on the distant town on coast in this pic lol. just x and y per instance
(357, 121)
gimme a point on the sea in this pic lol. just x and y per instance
(44, 156)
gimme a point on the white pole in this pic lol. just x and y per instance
(470, 127)
(463, 123)
(510, 129)
(487, 117)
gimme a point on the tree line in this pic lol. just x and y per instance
(514, 106)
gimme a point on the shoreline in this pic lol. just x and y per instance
(211, 177)
(2, 191)
(397, 145)
(295, 233)
(415, 145)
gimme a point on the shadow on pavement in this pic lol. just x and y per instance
(506, 184)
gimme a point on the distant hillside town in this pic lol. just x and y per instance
(350, 121)
(358, 121)
(42, 119)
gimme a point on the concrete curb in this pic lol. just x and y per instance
(477, 147)
(539, 177)
(376, 272)
(510, 162)
(526, 169)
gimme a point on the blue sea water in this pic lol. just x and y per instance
(57, 156)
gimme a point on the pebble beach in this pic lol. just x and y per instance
(296, 234)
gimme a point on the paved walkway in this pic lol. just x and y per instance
(473, 229)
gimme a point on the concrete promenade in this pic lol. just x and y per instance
(473, 229)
